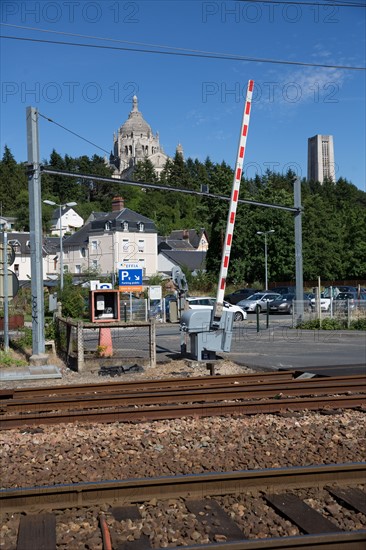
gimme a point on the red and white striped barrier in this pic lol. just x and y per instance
(233, 202)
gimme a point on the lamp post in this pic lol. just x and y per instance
(265, 233)
(60, 206)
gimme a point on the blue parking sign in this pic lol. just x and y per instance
(130, 277)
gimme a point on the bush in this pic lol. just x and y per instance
(326, 324)
(7, 359)
(358, 324)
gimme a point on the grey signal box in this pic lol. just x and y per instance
(204, 341)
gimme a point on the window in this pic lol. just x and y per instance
(94, 264)
(15, 244)
(66, 268)
(94, 246)
(83, 252)
(78, 268)
(16, 269)
(141, 245)
(108, 226)
(125, 245)
(124, 226)
(140, 226)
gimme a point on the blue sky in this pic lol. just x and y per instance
(195, 101)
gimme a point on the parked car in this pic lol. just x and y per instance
(240, 294)
(204, 302)
(285, 303)
(259, 301)
(351, 300)
(325, 298)
(284, 289)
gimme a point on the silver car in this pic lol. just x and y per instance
(258, 301)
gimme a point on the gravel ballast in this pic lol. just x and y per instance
(72, 453)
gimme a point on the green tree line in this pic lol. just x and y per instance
(333, 221)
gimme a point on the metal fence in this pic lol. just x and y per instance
(344, 311)
(90, 346)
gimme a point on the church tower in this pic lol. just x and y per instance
(136, 141)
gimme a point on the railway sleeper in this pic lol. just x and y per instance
(209, 523)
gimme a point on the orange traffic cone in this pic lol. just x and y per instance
(105, 346)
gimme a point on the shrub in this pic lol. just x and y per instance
(326, 324)
(358, 324)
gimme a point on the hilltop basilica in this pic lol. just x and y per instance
(135, 141)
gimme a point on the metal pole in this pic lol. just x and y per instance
(265, 262)
(6, 292)
(61, 252)
(35, 223)
(298, 250)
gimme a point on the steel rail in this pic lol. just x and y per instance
(351, 540)
(223, 408)
(182, 486)
(300, 388)
(183, 382)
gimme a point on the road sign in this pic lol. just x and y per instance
(130, 280)
(13, 284)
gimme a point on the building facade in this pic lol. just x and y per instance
(111, 238)
(321, 158)
(134, 142)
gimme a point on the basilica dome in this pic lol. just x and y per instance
(135, 124)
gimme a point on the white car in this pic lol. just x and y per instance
(206, 302)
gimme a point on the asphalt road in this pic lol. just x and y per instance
(332, 353)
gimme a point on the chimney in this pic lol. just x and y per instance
(118, 204)
(185, 234)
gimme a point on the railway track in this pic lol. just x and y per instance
(178, 398)
(301, 507)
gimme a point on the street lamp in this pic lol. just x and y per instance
(61, 206)
(265, 233)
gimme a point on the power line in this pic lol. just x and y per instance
(74, 133)
(230, 57)
(156, 187)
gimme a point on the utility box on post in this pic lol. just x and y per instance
(204, 341)
(104, 306)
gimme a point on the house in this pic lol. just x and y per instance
(7, 223)
(111, 238)
(193, 260)
(184, 239)
(185, 248)
(21, 266)
(70, 221)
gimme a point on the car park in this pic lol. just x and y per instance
(206, 302)
(240, 294)
(258, 301)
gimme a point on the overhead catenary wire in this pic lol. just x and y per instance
(157, 187)
(74, 133)
(196, 54)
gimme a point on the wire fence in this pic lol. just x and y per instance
(343, 311)
(91, 346)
